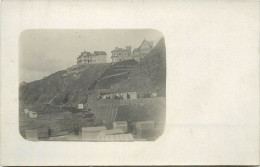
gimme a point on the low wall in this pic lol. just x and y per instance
(131, 110)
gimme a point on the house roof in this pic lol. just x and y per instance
(118, 49)
(118, 137)
(93, 129)
(145, 122)
(85, 52)
(100, 53)
(120, 122)
(79, 56)
(149, 43)
(112, 131)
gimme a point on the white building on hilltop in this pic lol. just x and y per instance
(89, 58)
(120, 54)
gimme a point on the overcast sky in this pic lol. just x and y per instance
(43, 52)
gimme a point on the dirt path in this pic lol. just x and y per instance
(114, 75)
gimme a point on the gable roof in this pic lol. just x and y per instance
(100, 53)
(88, 53)
(118, 49)
(85, 52)
(148, 42)
(79, 56)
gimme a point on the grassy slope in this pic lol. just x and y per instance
(116, 74)
(57, 89)
(149, 75)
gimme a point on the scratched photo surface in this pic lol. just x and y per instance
(92, 85)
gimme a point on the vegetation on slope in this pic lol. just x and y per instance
(115, 74)
(149, 75)
(72, 88)
(62, 88)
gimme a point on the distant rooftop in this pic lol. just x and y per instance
(111, 132)
(100, 53)
(118, 49)
(150, 43)
(93, 129)
(84, 53)
(96, 53)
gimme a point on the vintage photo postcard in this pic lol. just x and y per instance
(108, 92)
(126, 83)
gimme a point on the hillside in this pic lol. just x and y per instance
(63, 87)
(149, 75)
(115, 74)
(72, 86)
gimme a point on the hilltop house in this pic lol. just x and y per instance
(142, 50)
(120, 54)
(89, 58)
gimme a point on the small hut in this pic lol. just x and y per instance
(26, 110)
(120, 125)
(91, 133)
(111, 132)
(32, 114)
(144, 128)
(80, 106)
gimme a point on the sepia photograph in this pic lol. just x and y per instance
(129, 83)
(92, 85)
